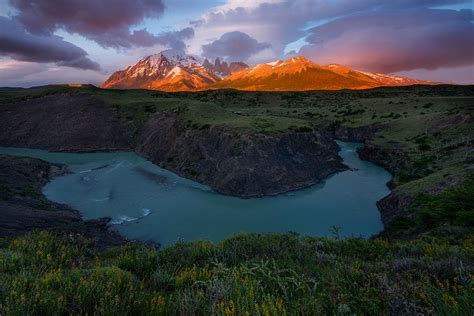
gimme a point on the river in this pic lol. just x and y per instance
(149, 203)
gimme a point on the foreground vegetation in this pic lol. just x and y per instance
(46, 274)
(249, 274)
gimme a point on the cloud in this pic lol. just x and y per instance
(107, 22)
(459, 75)
(196, 23)
(27, 74)
(280, 22)
(21, 45)
(395, 40)
(17, 70)
(233, 46)
(175, 39)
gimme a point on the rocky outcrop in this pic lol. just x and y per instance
(24, 208)
(357, 134)
(393, 205)
(223, 69)
(243, 165)
(392, 157)
(66, 122)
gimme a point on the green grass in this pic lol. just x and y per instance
(434, 213)
(247, 274)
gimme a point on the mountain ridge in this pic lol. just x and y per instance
(173, 71)
(168, 71)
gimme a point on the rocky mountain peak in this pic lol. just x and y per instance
(222, 68)
(172, 70)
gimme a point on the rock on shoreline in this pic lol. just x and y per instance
(23, 207)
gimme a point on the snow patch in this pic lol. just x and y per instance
(273, 63)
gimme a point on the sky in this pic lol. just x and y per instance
(65, 41)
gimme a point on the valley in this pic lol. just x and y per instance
(244, 143)
(421, 134)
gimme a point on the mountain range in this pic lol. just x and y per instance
(173, 71)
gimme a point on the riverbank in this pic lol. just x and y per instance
(59, 272)
(148, 203)
(244, 164)
(24, 208)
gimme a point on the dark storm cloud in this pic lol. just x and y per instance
(175, 40)
(396, 40)
(107, 22)
(18, 44)
(233, 46)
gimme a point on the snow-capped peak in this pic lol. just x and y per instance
(274, 63)
(174, 57)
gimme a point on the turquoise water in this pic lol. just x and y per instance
(149, 203)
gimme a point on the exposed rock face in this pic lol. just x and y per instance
(393, 159)
(357, 134)
(245, 165)
(237, 66)
(393, 205)
(23, 207)
(67, 122)
(241, 165)
(223, 69)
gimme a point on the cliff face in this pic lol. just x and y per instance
(66, 122)
(357, 134)
(242, 165)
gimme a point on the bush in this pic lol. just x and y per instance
(454, 206)
(275, 274)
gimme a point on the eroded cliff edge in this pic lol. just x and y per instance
(241, 164)
(244, 164)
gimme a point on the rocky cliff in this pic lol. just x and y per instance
(244, 165)
(64, 122)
